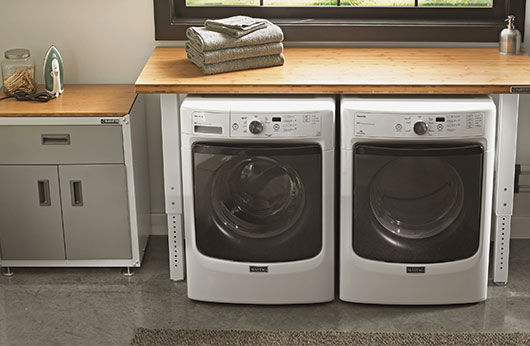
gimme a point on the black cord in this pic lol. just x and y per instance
(22, 95)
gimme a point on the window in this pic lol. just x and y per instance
(352, 20)
(359, 3)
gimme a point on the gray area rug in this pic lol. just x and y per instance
(242, 337)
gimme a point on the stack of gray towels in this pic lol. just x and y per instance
(235, 43)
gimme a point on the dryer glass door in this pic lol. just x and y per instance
(417, 204)
(258, 203)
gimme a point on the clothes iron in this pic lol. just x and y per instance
(53, 72)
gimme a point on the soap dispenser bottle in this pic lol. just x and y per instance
(510, 38)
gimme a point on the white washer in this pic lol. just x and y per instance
(258, 198)
(416, 196)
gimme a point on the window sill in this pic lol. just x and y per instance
(364, 30)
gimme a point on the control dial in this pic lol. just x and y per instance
(255, 127)
(420, 128)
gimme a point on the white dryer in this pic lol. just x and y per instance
(416, 198)
(258, 192)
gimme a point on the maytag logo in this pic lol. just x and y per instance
(415, 270)
(110, 121)
(259, 269)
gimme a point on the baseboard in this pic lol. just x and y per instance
(159, 224)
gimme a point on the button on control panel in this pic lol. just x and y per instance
(276, 125)
(418, 125)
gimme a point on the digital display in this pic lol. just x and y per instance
(440, 119)
(276, 119)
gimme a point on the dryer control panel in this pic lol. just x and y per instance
(418, 125)
(276, 125)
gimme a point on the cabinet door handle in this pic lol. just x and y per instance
(76, 190)
(43, 187)
(55, 139)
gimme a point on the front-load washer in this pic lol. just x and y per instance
(416, 198)
(258, 192)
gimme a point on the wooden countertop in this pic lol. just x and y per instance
(347, 70)
(77, 100)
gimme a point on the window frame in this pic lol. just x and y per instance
(333, 23)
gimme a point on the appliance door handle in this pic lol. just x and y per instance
(257, 149)
(418, 150)
(55, 139)
(76, 191)
(43, 187)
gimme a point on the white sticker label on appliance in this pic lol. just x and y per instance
(198, 117)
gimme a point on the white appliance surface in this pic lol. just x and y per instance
(391, 120)
(275, 120)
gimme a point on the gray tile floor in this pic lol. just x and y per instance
(100, 306)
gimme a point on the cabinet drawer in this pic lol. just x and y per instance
(60, 144)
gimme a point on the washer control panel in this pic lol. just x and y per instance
(276, 125)
(418, 125)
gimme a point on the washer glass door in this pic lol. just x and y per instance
(258, 203)
(417, 204)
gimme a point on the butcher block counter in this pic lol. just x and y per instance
(77, 100)
(348, 71)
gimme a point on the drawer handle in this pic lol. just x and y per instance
(55, 139)
(76, 190)
(43, 187)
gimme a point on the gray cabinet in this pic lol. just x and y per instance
(64, 212)
(95, 211)
(30, 213)
(74, 191)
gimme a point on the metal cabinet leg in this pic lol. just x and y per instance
(176, 247)
(128, 271)
(504, 184)
(7, 271)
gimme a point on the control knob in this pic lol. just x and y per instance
(255, 127)
(420, 128)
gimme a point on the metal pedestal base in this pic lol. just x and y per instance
(7, 271)
(128, 272)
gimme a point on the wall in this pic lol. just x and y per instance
(108, 41)
(101, 41)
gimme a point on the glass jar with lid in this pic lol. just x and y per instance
(18, 71)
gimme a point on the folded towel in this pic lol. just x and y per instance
(236, 26)
(239, 64)
(220, 55)
(207, 40)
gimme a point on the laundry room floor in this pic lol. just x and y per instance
(100, 306)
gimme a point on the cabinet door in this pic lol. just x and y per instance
(95, 212)
(30, 213)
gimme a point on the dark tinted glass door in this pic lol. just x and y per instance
(258, 203)
(417, 204)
